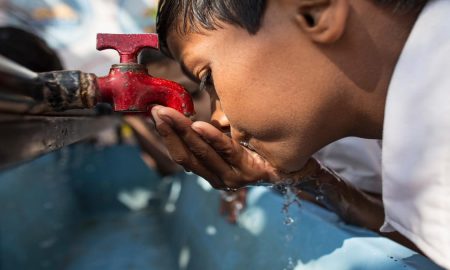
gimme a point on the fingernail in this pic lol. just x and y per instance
(165, 117)
(199, 130)
(156, 108)
(155, 115)
(160, 117)
(196, 128)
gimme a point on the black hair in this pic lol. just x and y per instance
(28, 50)
(191, 15)
(402, 5)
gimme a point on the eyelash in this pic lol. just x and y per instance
(206, 82)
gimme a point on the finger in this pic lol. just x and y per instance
(222, 208)
(200, 149)
(181, 154)
(243, 197)
(251, 165)
(172, 117)
(229, 150)
(232, 217)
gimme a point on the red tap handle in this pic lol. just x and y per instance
(128, 45)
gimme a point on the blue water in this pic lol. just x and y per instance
(86, 208)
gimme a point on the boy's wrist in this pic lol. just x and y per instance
(337, 195)
(321, 183)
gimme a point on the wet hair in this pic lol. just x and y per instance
(191, 15)
(28, 50)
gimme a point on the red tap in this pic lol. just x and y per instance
(129, 87)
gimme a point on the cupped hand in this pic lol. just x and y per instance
(203, 149)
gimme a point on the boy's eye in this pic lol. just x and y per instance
(197, 94)
(207, 83)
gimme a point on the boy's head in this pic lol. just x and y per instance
(291, 75)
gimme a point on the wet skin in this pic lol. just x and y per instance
(288, 90)
(155, 154)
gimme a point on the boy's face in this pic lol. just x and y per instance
(277, 88)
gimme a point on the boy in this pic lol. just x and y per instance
(154, 153)
(294, 76)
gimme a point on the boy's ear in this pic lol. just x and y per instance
(324, 21)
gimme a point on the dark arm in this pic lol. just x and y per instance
(349, 203)
(154, 152)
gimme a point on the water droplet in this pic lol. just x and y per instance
(211, 230)
(290, 265)
(229, 189)
(289, 237)
(263, 183)
(319, 197)
(228, 196)
(244, 144)
(288, 220)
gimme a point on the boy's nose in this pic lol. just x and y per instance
(220, 120)
(218, 117)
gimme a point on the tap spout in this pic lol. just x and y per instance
(130, 89)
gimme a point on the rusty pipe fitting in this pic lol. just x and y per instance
(128, 87)
(64, 90)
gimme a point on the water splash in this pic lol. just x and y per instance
(290, 197)
(288, 220)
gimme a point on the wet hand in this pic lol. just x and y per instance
(203, 149)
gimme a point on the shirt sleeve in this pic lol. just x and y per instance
(356, 160)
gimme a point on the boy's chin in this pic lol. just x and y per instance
(289, 167)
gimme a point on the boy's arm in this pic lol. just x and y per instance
(349, 203)
(206, 151)
(154, 152)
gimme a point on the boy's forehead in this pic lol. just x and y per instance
(175, 44)
(183, 35)
(179, 47)
(179, 34)
(184, 45)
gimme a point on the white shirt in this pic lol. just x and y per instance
(356, 160)
(416, 139)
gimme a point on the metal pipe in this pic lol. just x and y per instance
(22, 90)
(7, 66)
(16, 79)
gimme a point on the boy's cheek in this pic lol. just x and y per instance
(284, 155)
(271, 137)
(259, 122)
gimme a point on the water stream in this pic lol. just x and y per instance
(289, 199)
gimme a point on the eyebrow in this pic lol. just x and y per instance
(188, 73)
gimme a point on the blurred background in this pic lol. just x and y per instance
(95, 190)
